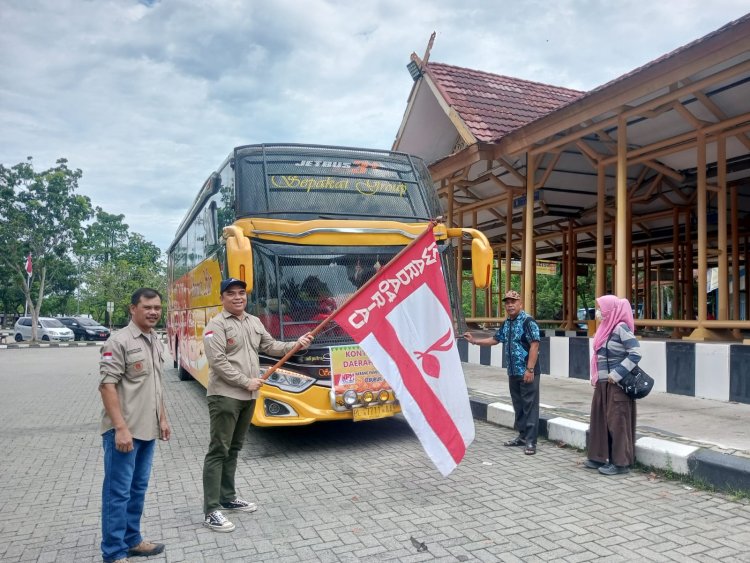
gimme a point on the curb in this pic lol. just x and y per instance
(50, 345)
(722, 471)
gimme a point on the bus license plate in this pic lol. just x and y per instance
(370, 413)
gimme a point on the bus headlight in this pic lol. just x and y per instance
(290, 381)
(383, 396)
(350, 397)
(368, 397)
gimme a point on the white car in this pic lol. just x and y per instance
(47, 329)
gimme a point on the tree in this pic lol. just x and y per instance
(10, 294)
(105, 239)
(117, 263)
(40, 214)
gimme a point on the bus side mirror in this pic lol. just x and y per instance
(481, 262)
(239, 255)
(481, 255)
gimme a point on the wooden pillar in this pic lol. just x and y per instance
(735, 254)
(533, 278)
(497, 251)
(622, 269)
(528, 243)
(567, 318)
(632, 276)
(474, 287)
(648, 309)
(701, 333)
(676, 267)
(508, 244)
(659, 295)
(702, 226)
(451, 222)
(573, 255)
(460, 259)
(721, 205)
(601, 268)
(687, 268)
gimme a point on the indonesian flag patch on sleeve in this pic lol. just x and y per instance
(208, 334)
(107, 356)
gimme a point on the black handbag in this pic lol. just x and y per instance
(637, 383)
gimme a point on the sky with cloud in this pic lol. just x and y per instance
(148, 97)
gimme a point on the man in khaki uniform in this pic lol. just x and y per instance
(232, 340)
(132, 419)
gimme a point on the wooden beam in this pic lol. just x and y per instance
(464, 159)
(548, 171)
(711, 106)
(509, 167)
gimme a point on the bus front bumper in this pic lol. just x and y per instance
(274, 407)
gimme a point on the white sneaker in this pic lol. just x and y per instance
(217, 522)
(240, 504)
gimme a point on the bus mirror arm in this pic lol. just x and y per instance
(239, 255)
(481, 255)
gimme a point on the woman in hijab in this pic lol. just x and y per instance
(611, 447)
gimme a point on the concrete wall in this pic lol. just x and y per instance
(717, 371)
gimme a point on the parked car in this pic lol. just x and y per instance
(585, 315)
(85, 328)
(47, 329)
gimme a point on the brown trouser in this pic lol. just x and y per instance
(612, 425)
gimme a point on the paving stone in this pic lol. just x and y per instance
(332, 492)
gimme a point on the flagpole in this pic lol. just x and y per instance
(430, 226)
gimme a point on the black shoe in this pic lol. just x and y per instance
(591, 464)
(612, 469)
(530, 449)
(239, 504)
(515, 442)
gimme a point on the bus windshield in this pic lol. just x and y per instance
(297, 287)
(280, 183)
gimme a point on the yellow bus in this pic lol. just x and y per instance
(304, 226)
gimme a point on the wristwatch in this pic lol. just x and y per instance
(530, 370)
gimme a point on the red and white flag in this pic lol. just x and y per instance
(28, 264)
(402, 321)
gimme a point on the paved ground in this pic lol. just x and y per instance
(340, 492)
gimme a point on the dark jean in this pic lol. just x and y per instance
(123, 495)
(229, 421)
(525, 398)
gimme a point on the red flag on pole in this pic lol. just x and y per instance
(28, 264)
(402, 321)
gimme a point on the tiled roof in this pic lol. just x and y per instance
(492, 105)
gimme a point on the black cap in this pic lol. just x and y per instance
(227, 283)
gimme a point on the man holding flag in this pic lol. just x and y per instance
(232, 340)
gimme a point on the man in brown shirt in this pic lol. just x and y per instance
(232, 340)
(132, 419)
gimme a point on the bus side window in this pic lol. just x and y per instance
(211, 227)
